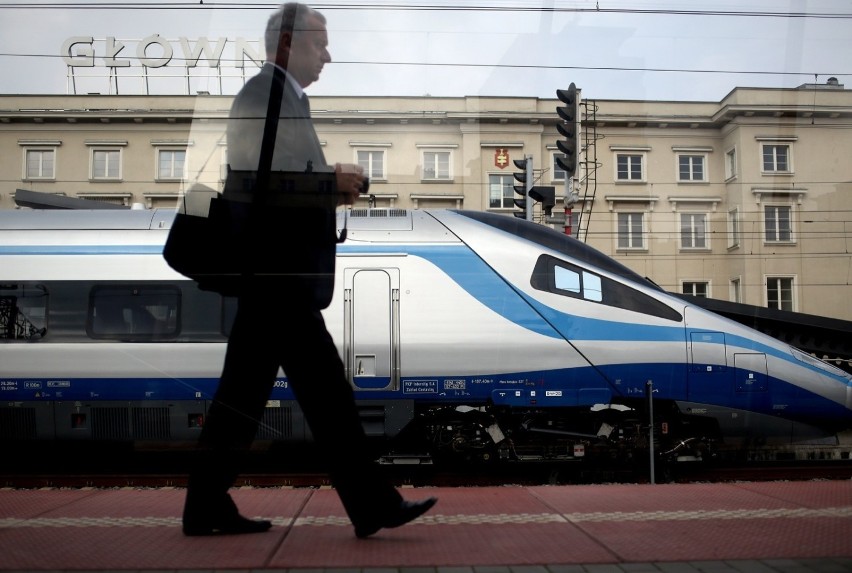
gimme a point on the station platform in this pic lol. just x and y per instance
(747, 527)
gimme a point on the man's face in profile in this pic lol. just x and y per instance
(308, 52)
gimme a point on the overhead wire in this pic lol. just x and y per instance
(475, 7)
(396, 6)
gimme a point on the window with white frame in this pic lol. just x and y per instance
(779, 293)
(691, 167)
(778, 223)
(106, 163)
(631, 230)
(693, 231)
(171, 164)
(437, 165)
(734, 228)
(776, 157)
(40, 163)
(501, 192)
(558, 172)
(629, 167)
(731, 163)
(696, 288)
(736, 290)
(373, 162)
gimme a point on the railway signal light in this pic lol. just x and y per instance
(525, 177)
(568, 130)
(546, 195)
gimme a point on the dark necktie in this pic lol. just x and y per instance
(305, 104)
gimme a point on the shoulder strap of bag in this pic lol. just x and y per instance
(267, 147)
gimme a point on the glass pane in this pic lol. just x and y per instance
(683, 171)
(566, 279)
(636, 167)
(623, 230)
(592, 287)
(124, 312)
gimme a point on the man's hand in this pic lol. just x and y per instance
(350, 180)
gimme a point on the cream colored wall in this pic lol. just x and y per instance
(819, 188)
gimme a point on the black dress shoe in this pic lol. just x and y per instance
(406, 511)
(233, 525)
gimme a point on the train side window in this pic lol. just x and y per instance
(577, 283)
(133, 312)
(566, 280)
(23, 312)
(592, 289)
(557, 276)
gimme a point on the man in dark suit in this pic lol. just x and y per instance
(278, 321)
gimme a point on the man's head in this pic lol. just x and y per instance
(296, 39)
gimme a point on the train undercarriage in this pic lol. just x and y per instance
(617, 434)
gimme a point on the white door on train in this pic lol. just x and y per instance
(371, 327)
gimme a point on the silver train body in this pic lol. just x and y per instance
(463, 333)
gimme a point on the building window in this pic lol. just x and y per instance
(690, 168)
(776, 158)
(733, 228)
(171, 164)
(573, 219)
(40, 164)
(106, 163)
(500, 191)
(558, 172)
(436, 165)
(696, 288)
(778, 223)
(373, 162)
(779, 293)
(736, 290)
(631, 231)
(731, 163)
(693, 230)
(629, 167)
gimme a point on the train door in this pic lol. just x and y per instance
(709, 374)
(371, 328)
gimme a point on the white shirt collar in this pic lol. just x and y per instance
(290, 79)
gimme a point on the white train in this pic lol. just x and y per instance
(464, 334)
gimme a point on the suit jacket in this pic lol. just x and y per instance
(293, 227)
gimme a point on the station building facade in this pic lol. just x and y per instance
(748, 199)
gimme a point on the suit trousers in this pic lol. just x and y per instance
(271, 330)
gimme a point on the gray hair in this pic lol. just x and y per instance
(289, 17)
